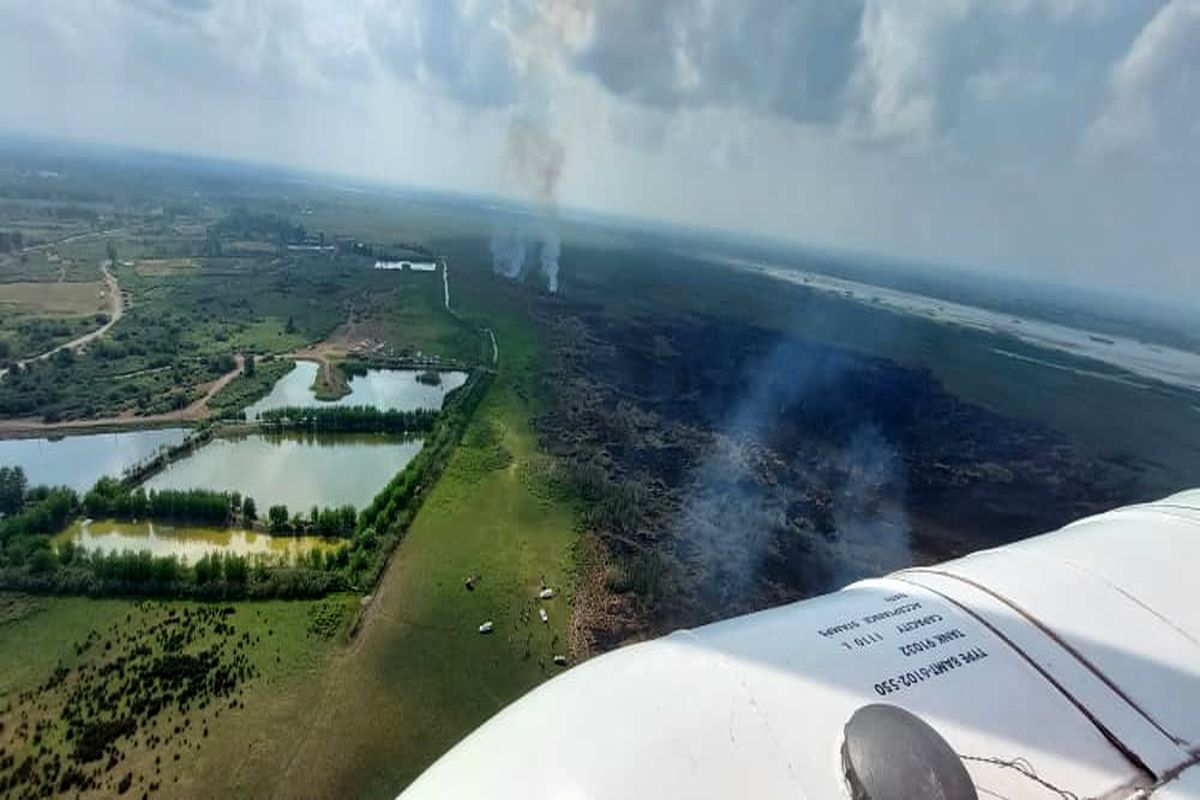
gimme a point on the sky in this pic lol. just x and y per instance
(1047, 139)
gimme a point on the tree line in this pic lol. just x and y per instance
(385, 520)
(42, 511)
(241, 223)
(72, 570)
(12, 489)
(349, 419)
(29, 563)
(330, 521)
(113, 498)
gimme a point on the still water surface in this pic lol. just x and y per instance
(387, 389)
(79, 461)
(295, 469)
(187, 542)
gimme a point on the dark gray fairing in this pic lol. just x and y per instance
(891, 754)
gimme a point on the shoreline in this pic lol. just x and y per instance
(30, 428)
(1168, 365)
(191, 417)
(196, 412)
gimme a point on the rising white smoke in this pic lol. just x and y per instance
(534, 156)
(533, 163)
(733, 512)
(873, 532)
(550, 253)
(508, 252)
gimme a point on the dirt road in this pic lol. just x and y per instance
(194, 412)
(116, 309)
(74, 237)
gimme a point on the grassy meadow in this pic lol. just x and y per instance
(366, 714)
(107, 697)
(418, 675)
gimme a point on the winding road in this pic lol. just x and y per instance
(197, 410)
(194, 412)
(116, 309)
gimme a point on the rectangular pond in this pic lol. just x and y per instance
(79, 461)
(187, 542)
(385, 389)
(296, 469)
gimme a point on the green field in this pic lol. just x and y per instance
(54, 651)
(419, 676)
(315, 713)
(354, 696)
(363, 717)
(47, 266)
(183, 329)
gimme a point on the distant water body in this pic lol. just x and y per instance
(387, 389)
(1165, 364)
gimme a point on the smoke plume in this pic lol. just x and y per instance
(533, 156)
(549, 258)
(508, 252)
(868, 511)
(533, 163)
(794, 478)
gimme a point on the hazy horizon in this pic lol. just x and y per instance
(1130, 304)
(1046, 140)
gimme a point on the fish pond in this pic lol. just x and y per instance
(298, 470)
(385, 389)
(79, 461)
(189, 543)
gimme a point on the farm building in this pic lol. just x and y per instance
(415, 266)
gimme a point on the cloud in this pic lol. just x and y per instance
(1156, 85)
(791, 59)
(917, 63)
(460, 48)
(924, 70)
(877, 72)
(940, 129)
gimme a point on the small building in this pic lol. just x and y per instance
(415, 266)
